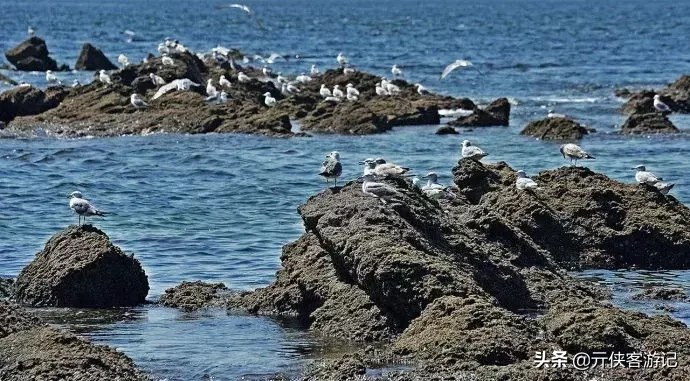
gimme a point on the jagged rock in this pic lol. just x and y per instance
(663, 293)
(31, 55)
(31, 350)
(141, 85)
(650, 123)
(6, 80)
(26, 100)
(92, 58)
(497, 113)
(676, 95)
(555, 128)
(446, 130)
(191, 296)
(79, 267)
(6, 285)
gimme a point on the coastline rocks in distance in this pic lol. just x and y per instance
(92, 58)
(80, 267)
(446, 130)
(29, 100)
(663, 293)
(649, 123)
(555, 128)
(31, 55)
(191, 296)
(31, 350)
(497, 113)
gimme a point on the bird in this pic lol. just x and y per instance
(281, 79)
(351, 97)
(76, 83)
(104, 77)
(167, 61)
(421, 90)
(314, 70)
(333, 99)
(303, 78)
(292, 89)
(380, 90)
(644, 177)
(30, 31)
(553, 114)
(574, 152)
(382, 191)
(267, 71)
(137, 102)
(122, 59)
(341, 59)
(348, 70)
(211, 90)
(659, 105)
(337, 92)
(183, 84)
(331, 167)
(433, 189)
(223, 97)
(456, 64)
(664, 188)
(390, 88)
(389, 169)
(269, 100)
(82, 206)
(223, 82)
(523, 182)
(50, 77)
(324, 92)
(351, 90)
(246, 10)
(241, 77)
(472, 152)
(157, 80)
(397, 72)
(369, 166)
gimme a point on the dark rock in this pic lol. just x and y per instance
(555, 128)
(191, 296)
(662, 293)
(79, 267)
(6, 80)
(92, 58)
(31, 350)
(497, 113)
(141, 85)
(6, 285)
(650, 123)
(25, 100)
(676, 95)
(446, 130)
(623, 93)
(31, 55)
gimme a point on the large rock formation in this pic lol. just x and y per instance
(80, 267)
(31, 55)
(555, 128)
(28, 100)
(676, 95)
(649, 123)
(31, 350)
(497, 113)
(92, 58)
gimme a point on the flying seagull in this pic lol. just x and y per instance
(83, 207)
(246, 10)
(574, 152)
(457, 64)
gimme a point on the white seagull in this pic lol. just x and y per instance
(433, 189)
(644, 177)
(421, 90)
(50, 77)
(574, 152)
(122, 59)
(396, 71)
(472, 152)
(223, 82)
(303, 78)
(156, 79)
(137, 102)
(342, 60)
(83, 207)
(324, 92)
(389, 169)
(30, 31)
(267, 71)
(314, 70)
(659, 105)
(167, 61)
(351, 90)
(455, 65)
(241, 77)
(523, 182)
(269, 100)
(380, 90)
(104, 77)
(211, 90)
(369, 166)
(337, 92)
(382, 191)
(331, 167)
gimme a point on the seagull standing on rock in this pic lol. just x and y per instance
(167, 61)
(369, 166)
(382, 191)
(137, 102)
(50, 77)
(523, 182)
(472, 152)
(433, 189)
(574, 152)
(211, 90)
(659, 105)
(389, 169)
(342, 60)
(267, 71)
(83, 207)
(104, 77)
(157, 80)
(223, 82)
(396, 71)
(324, 92)
(351, 90)
(123, 60)
(644, 177)
(331, 168)
(241, 77)
(380, 90)
(337, 92)
(421, 90)
(314, 70)
(269, 100)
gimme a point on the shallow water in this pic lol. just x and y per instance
(220, 207)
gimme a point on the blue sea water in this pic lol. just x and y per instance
(220, 207)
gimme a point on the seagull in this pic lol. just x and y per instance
(659, 105)
(390, 88)
(303, 78)
(351, 97)
(168, 61)
(333, 99)
(137, 102)
(211, 90)
(644, 177)
(389, 169)
(76, 83)
(348, 70)
(433, 189)
(157, 80)
(267, 71)
(83, 207)
(369, 166)
(104, 77)
(314, 70)
(421, 90)
(664, 188)
(30, 31)
(351, 90)
(269, 100)
(380, 90)
(281, 79)
(324, 92)
(553, 114)
(123, 60)
(273, 57)
(331, 167)
(397, 72)
(241, 77)
(573, 152)
(455, 65)
(382, 191)
(523, 182)
(337, 92)
(342, 60)
(50, 77)
(223, 98)
(472, 152)
(223, 82)
(245, 9)
(178, 84)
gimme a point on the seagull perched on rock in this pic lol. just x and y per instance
(396, 71)
(331, 167)
(156, 79)
(314, 70)
(183, 84)
(303, 78)
(348, 70)
(137, 102)
(433, 189)
(269, 100)
(369, 166)
(382, 191)
(342, 60)
(50, 77)
(324, 92)
(351, 97)
(167, 61)
(456, 64)
(281, 79)
(337, 92)
(351, 90)
(211, 90)
(241, 77)
(223, 82)
(123, 60)
(30, 31)
(421, 90)
(472, 152)
(644, 177)
(380, 90)
(574, 152)
(659, 105)
(104, 77)
(267, 71)
(389, 169)
(523, 182)
(83, 207)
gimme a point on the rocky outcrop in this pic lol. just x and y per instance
(555, 128)
(31, 55)
(28, 100)
(497, 113)
(650, 123)
(663, 293)
(6, 285)
(6, 80)
(80, 267)
(446, 130)
(190, 296)
(676, 95)
(31, 350)
(92, 58)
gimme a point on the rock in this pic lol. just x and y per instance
(92, 58)
(641, 102)
(31, 350)
(623, 93)
(6, 285)
(662, 293)
(446, 130)
(8, 81)
(191, 296)
(141, 85)
(79, 267)
(676, 95)
(555, 128)
(497, 113)
(31, 55)
(25, 100)
(650, 123)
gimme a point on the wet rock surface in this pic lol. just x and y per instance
(80, 267)
(31, 350)
(663, 293)
(6, 80)
(190, 296)
(92, 58)
(28, 100)
(31, 55)
(446, 130)
(676, 95)
(649, 123)
(497, 113)
(6, 285)
(555, 128)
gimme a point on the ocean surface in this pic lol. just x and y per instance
(220, 207)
